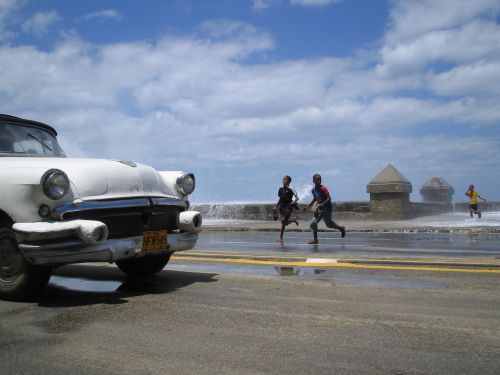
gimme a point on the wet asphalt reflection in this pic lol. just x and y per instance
(356, 244)
(90, 283)
(335, 276)
(367, 245)
(109, 280)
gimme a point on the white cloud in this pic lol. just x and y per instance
(313, 2)
(8, 16)
(262, 5)
(108, 14)
(200, 85)
(7, 7)
(195, 101)
(412, 18)
(479, 78)
(40, 23)
(469, 42)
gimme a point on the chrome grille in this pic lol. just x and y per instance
(125, 220)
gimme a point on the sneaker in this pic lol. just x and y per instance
(313, 242)
(342, 231)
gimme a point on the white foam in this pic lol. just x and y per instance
(450, 220)
(459, 220)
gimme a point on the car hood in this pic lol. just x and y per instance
(96, 178)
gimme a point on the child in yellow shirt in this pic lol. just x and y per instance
(473, 196)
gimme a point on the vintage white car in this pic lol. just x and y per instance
(56, 210)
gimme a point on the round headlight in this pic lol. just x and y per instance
(186, 183)
(55, 184)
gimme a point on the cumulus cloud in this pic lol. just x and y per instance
(314, 2)
(40, 23)
(477, 39)
(108, 14)
(411, 18)
(8, 17)
(477, 79)
(261, 5)
(195, 102)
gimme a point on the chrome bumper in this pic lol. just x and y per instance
(66, 252)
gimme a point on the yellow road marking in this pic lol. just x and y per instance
(418, 262)
(339, 265)
(239, 255)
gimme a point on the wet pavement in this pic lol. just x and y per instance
(247, 248)
(257, 253)
(378, 302)
(474, 246)
(92, 319)
(67, 282)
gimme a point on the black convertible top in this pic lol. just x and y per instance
(22, 121)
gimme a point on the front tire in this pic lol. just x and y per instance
(19, 280)
(145, 266)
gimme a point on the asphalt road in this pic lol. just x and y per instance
(240, 303)
(388, 245)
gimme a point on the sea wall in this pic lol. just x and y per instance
(264, 211)
(489, 206)
(351, 210)
(418, 209)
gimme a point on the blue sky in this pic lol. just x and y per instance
(241, 92)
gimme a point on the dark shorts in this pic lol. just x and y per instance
(286, 212)
(473, 207)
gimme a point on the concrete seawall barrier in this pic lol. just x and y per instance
(351, 210)
(264, 211)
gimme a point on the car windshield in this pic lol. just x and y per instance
(21, 140)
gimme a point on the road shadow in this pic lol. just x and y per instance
(79, 285)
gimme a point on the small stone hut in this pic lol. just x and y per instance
(389, 195)
(437, 190)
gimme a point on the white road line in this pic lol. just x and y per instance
(321, 260)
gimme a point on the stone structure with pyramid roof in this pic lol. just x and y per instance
(389, 195)
(389, 180)
(437, 190)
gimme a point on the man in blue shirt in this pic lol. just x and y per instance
(321, 195)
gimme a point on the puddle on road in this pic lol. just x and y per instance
(85, 285)
(336, 275)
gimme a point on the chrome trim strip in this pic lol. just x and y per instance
(107, 251)
(58, 212)
(168, 202)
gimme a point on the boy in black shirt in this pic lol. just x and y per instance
(287, 202)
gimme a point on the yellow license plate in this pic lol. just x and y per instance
(154, 240)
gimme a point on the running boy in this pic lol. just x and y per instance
(324, 211)
(287, 202)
